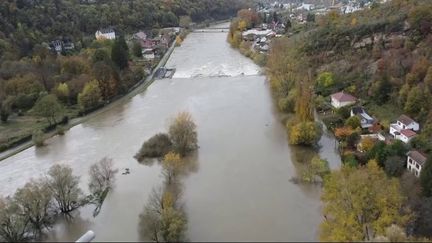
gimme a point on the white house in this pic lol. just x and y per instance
(342, 99)
(148, 54)
(366, 120)
(403, 122)
(415, 161)
(405, 135)
(105, 34)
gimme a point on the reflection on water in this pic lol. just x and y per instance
(239, 188)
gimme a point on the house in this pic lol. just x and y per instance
(139, 36)
(405, 135)
(148, 54)
(105, 34)
(366, 121)
(402, 123)
(342, 99)
(61, 45)
(57, 46)
(415, 161)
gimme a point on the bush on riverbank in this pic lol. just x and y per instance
(157, 146)
(38, 138)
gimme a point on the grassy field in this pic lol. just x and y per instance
(20, 128)
(386, 114)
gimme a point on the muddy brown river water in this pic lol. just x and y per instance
(239, 188)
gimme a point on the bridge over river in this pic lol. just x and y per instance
(212, 30)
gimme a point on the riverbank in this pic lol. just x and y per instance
(138, 88)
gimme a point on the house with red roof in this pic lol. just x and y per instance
(342, 99)
(405, 135)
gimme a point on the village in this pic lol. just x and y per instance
(403, 130)
(147, 47)
(286, 19)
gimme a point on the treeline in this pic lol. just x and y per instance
(26, 23)
(383, 56)
(32, 211)
(163, 218)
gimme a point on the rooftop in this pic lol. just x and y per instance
(343, 97)
(405, 120)
(408, 133)
(417, 156)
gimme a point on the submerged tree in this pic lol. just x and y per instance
(35, 202)
(171, 164)
(183, 133)
(102, 176)
(14, 225)
(65, 188)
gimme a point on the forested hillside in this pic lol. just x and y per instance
(26, 23)
(383, 56)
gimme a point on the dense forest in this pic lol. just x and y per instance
(37, 83)
(383, 56)
(26, 23)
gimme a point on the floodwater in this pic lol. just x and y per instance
(239, 188)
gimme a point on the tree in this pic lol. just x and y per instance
(304, 133)
(91, 96)
(38, 138)
(65, 188)
(426, 178)
(367, 144)
(157, 146)
(185, 21)
(317, 167)
(324, 81)
(394, 166)
(353, 122)
(183, 134)
(5, 108)
(35, 201)
(359, 204)
(119, 54)
(136, 49)
(171, 164)
(14, 225)
(288, 25)
(48, 107)
(423, 224)
(101, 55)
(173, 225)
(102, 176)
(62, 92)
(417, 100)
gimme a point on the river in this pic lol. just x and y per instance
(239, 188)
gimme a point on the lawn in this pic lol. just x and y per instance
(386, 114)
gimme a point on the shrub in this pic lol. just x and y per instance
(183, 133)
(304, 133)
(157, 146)
(38, 138)
(61, 130)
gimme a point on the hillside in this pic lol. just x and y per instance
(383, 56)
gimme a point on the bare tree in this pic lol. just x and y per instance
(35, 202)
(102, 176)
(64, 187)
(14, 225)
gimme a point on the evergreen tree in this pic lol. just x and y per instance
(119, 53)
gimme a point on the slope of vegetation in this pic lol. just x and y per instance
(383, 55)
